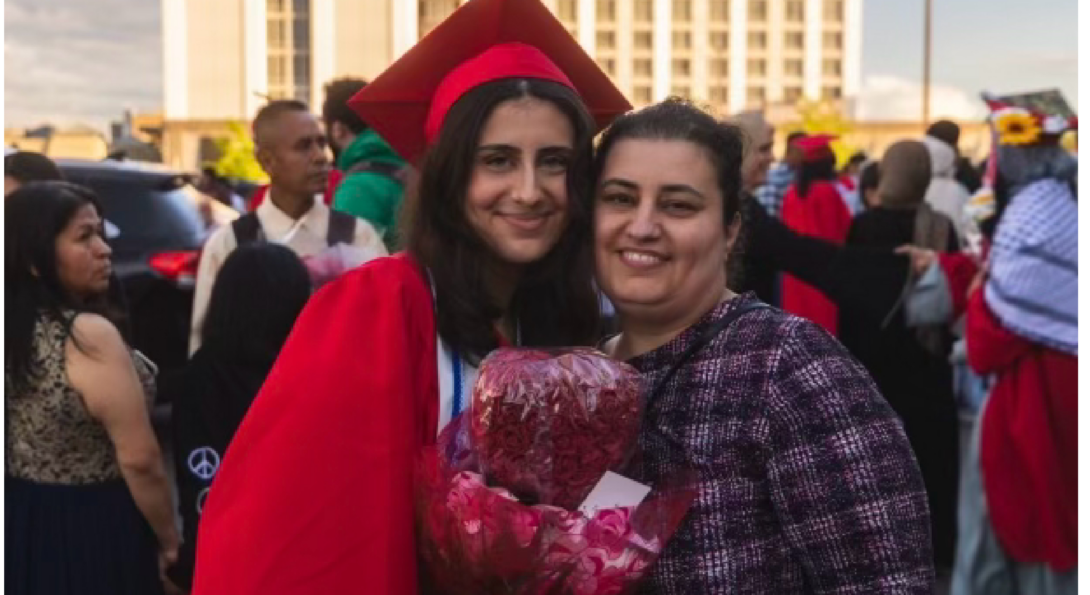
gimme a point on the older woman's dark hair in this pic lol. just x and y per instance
(555, 302)
(34, 215)
(257, 295)
(678, 119)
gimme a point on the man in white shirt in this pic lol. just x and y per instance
(291, 148)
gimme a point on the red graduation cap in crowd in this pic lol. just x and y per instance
(482, 41)
(816, 147)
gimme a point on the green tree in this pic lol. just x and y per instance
(237, 158)
(822, 117)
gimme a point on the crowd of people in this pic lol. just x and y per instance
(796, 327)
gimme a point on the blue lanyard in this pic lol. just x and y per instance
(456, 401)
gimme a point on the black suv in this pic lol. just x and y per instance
(159, 223)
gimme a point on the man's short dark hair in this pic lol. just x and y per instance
(946, 131)
(335, 107)
(28, 166)
(273, 110)
(794, 136)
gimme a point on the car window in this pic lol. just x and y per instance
(145, 215)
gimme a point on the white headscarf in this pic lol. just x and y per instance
(945, 194)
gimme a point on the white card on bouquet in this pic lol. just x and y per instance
(614, 491)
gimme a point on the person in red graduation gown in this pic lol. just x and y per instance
(814, 207)
(315, 493)
(1019, 509)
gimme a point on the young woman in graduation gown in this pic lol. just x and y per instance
(315, 493)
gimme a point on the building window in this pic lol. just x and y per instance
(834, 10)
(792, 94)
(755, 96)
(607, 10)
(795, 11)
(683, 10)
(644, 11)
(831, 67)
(642, 94)
(719, 10)
(275, 32)
(643, 40)
(718, 94)
(758, 40)
(831, 92)
(755, 67)
(681, 67)
(792, 67)
(719, 67)
(608, 65)
(606, 40)
(642, 67)
(272, 6)
(792, 40)
(720, 40)
(833, 40)
(683, 40)
(758, 10)
(566, 10)
(278, 71)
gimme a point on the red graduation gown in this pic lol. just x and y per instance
(1029, 441)
(821, 214)
(315, 492)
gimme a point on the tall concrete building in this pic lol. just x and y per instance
(224, 58)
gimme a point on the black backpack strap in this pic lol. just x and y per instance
(387, 170)
(342, 229)
(247, 229)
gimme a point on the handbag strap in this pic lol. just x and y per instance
(702, 341)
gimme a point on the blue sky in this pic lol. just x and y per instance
(996, 45)
(83, 61)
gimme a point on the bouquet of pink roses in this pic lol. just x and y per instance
(499, 495)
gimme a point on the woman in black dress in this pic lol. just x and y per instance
(88, 506)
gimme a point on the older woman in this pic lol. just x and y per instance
(87, 506)
(807, 482)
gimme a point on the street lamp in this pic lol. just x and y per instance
(927, 62)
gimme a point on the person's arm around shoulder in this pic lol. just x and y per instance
(100, 368)
(842, 475)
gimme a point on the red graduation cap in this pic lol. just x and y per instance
(816, 147)
(482, 41)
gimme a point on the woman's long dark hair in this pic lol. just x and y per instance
(555, 302)
(34, 215)
(258, 294)
(813, 171)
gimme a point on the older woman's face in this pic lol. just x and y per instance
(83, 257)
(660, 242)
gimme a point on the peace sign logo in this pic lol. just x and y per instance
(204, 462)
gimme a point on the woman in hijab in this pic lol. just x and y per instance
(1018, 510)
(945, 194)
(910, 364)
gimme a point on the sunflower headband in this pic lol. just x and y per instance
(1020, 126)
